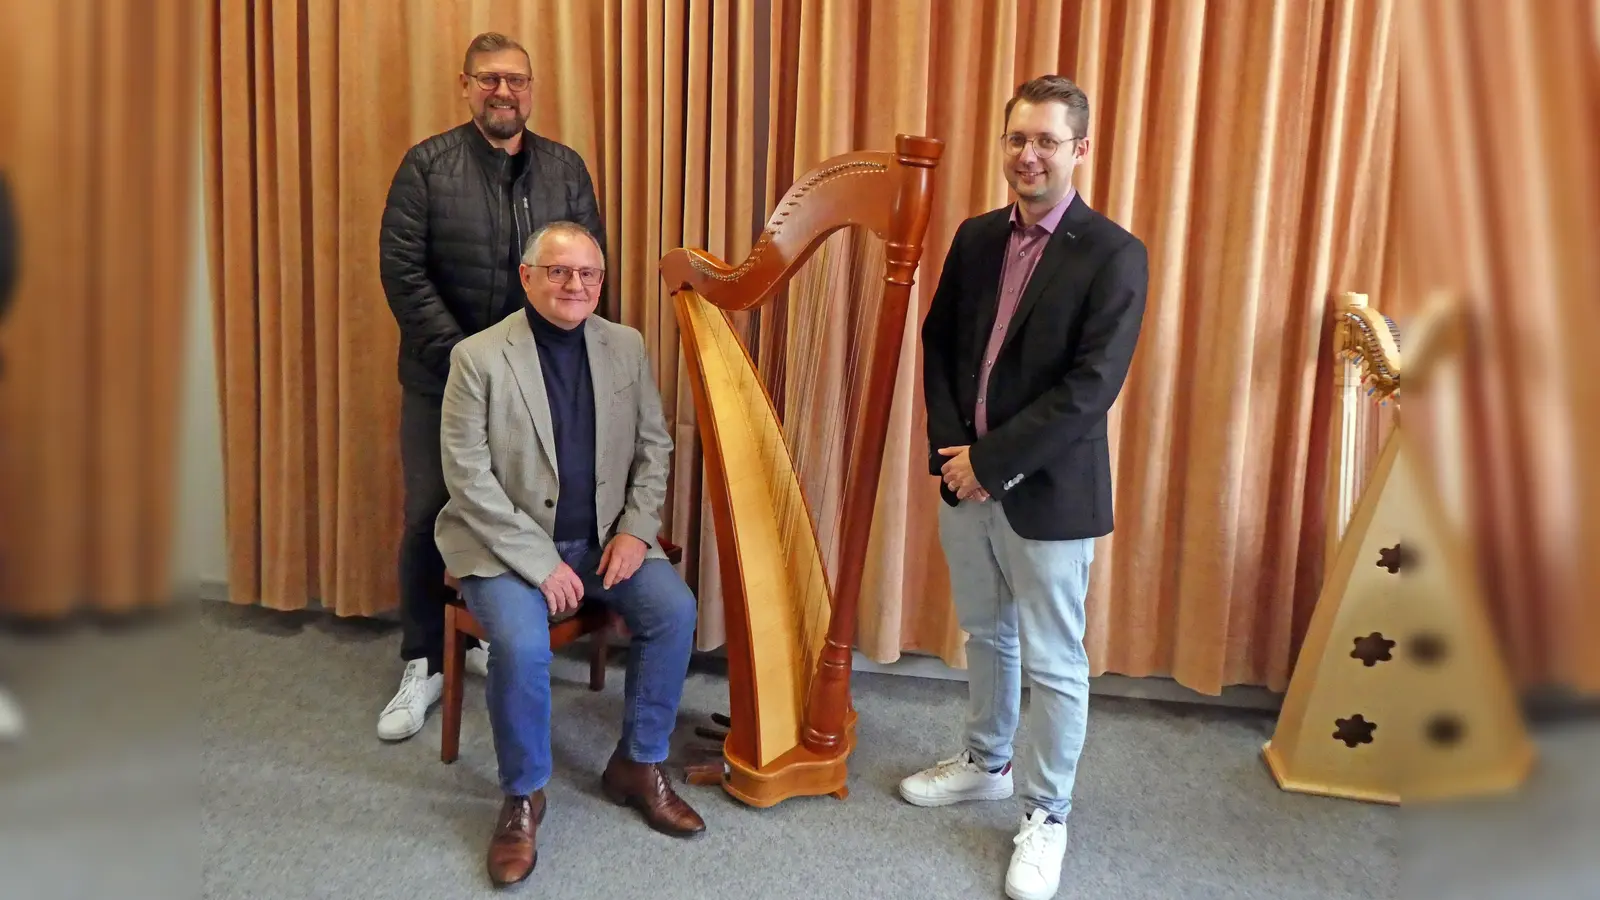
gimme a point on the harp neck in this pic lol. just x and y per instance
(879, 190)
(1370, 341)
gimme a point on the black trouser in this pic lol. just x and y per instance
(423, 593)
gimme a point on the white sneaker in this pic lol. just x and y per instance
(405, 714)
(954, 780)
(1035, 871)
(10, 717)
(478, 661)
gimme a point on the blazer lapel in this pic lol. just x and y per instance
(991, 255)
(602, 381)
(523, 356)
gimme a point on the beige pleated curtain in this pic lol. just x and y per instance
(1501, 199)
(1249, 145)
(97, 138)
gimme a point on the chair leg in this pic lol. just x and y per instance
(599, 647)
(455, 658)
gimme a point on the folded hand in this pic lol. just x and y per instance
(958, 475)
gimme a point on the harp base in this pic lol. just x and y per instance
(798, 773)
(1280, 774)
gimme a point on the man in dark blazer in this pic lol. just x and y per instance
(1026, 345)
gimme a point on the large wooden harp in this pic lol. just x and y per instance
(790, 627)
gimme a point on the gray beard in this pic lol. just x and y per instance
(501, 129)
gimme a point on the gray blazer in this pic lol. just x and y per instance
(499, 452)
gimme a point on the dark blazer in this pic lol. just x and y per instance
(1062, 364)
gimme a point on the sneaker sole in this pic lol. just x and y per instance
(1018, 894)
(926, 802)
(413, 733)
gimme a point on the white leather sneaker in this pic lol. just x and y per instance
(1035, 872)
(478, 661)
(405, 714)
(954, 780)
(10, 718)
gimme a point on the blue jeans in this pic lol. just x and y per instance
(659, 611)
(1021, 604)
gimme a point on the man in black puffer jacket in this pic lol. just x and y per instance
(459, 210)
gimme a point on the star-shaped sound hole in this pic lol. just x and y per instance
(1395, 558)
(1446, 730)
(1354, 730)
(1427, 649)
(1372, 649)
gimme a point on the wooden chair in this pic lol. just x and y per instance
(593, 619)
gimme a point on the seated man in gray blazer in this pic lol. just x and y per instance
(556, 456)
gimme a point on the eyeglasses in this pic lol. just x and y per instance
(1044, 145)
(560, 274)
(490, 81)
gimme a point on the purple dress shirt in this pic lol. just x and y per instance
(1023, 250)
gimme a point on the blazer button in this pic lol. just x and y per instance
(549, 503)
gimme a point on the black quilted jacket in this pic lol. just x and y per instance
(448, 231)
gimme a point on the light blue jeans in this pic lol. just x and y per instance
(660, 614)
(1021, 604)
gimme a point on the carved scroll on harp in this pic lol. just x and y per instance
(791, 622)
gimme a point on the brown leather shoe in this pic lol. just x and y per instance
(514, 848)
(646, 788)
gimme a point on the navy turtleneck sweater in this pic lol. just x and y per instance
(564, 360)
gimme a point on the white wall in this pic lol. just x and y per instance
(200, 551)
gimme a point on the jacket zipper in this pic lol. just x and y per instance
(527, 222)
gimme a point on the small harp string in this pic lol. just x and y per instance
(834, 314)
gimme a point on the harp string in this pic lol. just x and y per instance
(825, 338)
(829, 331)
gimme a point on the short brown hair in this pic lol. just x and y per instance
(1057, 89)
(492, 42)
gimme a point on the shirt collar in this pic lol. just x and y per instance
(1052, 218)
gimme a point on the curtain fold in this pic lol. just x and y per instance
(96, 142)
(1249, 145)
(1500, 136)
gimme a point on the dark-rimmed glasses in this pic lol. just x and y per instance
(560, 274)
(490, 81)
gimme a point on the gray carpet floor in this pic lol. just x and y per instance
(297, 798)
